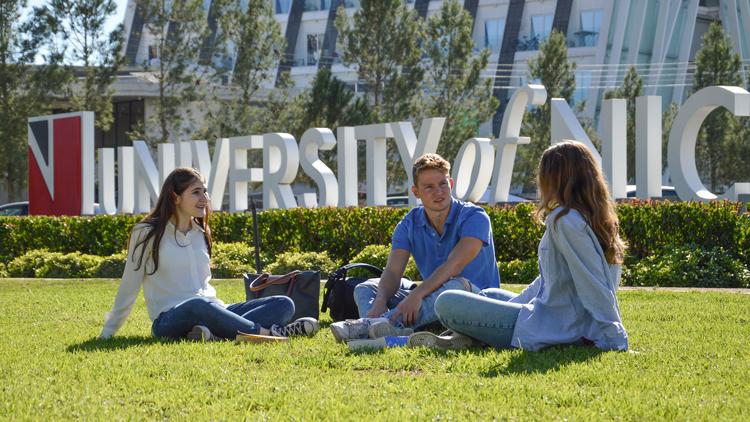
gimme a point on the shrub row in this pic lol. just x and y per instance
(649, 227)
(687, 266)
(229, 260)
(684, 266)
(652, 229)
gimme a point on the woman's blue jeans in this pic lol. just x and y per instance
(247, 317)
(487, 316)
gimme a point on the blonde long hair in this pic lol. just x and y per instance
(569, 177)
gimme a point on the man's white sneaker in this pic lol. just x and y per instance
(353, 329)
(448, 340)
(385, 328)
(201, 333)
(304, 326)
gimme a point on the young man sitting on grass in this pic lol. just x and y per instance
(452, 245)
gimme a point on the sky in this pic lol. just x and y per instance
(112, 22)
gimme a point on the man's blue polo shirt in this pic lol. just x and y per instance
(430, 250)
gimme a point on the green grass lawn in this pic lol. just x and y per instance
(689, 359)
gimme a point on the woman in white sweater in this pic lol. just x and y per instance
(169, 255)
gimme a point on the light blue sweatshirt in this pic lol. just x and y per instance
(574, 296)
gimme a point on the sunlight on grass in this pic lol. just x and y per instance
(692, 362)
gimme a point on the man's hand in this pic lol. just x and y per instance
(408, 309)
(377, 310)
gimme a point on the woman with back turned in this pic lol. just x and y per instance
(573, 301)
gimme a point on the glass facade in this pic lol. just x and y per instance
(590, 25)
(493, 34)
(541, 27)
(282, 6)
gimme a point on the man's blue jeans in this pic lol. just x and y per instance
(487, 316)
(247, 317)
(365, 293)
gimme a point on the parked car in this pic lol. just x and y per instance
(22, 208)
(667, 192)
(397, 201)
(512, 199)
(14, 208)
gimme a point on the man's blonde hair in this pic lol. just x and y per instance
(430, 162)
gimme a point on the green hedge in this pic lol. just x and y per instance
(518, 271)
(688, 266)
(377, 255)
(652, 229)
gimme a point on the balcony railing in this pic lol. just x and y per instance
(526, 43)
(583, 39)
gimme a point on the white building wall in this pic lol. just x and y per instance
(632, 32)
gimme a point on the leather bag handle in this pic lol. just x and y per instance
(266, 280)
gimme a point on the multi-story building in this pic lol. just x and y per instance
(605, 38)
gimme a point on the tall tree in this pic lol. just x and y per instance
(25, 88)
(631, 88)
(257, 48)
(383, 44)
(177, 30)
(330, 104)
(552, 69)
(81, 37)
(454, 77)
(717, 64)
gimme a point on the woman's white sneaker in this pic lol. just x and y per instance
(201, 333)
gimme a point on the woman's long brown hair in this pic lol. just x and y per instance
(569, 177)
(178, 180)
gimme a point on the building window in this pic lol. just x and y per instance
(541, 26)
(315, 5)
(314, 47)
(583, 82)
(283, 6)
(591, 22)
(493, 34)
(153, 55)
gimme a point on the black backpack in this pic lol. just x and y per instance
(339, 291)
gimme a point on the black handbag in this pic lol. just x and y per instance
(338, 295)
(303, 287)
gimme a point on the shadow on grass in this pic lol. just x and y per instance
(551, 359)
(118, 343)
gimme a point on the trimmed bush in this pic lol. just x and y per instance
(26, 264)
(650, 228)
(518, 271)
(100, 235)
(71, 265)
(377, 255)
(516, 231)
(3, 271)
(313, 261)
(657, 227)
(111, 266)
(230, 260)
(45, 264)
(688, 266)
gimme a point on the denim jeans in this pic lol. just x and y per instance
(247, 317)
(365, 293)
(486, 316)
